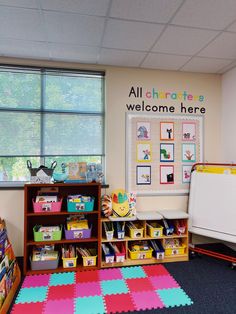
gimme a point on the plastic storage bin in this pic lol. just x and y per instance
(80, 206)
(140, 254)
(47, 235)
(69, 262)
(119, 229)
(109, 254)
(120, 256)
(175, 250)
(89, 260)
(78, 234)
(159, 251)
(42, 207)
(154, 229)
(43, 265)
(136, 231)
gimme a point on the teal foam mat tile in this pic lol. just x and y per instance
(35, 294)
(116, 286)
(62, 279)
(174, 297)
(133, 272)
(90, 305)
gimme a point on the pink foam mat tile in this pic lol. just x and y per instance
(163, 282)
(61, 292)
(36, 281)
(59, 306)
(85, 289)
(155, 270)
(119, 303)
(110, 274)
(146, 300)
(139, 284)
(87, 276)
(25, 308)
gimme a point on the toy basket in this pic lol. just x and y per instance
(46, 235)
(80, 206)
(41, 174)
(41, 207)
(154, 229)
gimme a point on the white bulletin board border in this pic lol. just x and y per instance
(153, 132)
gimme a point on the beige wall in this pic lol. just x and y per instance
(118, 84)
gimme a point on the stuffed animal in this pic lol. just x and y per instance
(107, 205)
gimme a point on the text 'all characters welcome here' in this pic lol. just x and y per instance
(148, 96)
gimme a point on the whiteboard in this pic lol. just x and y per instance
(212, 205)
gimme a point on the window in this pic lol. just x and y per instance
(47, 115)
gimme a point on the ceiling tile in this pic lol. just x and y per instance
(83, 54)
(73, 28)
(205, 65)
(21, 23)
(183, 41)
(222, 47)
(120, 57)
(212, 14)
(130, 35)
(232, 27)
(90, 7)
(164, 61)
(24, 49)
(20, 3)
(155, 11)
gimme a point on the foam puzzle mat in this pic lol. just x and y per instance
(112, 290)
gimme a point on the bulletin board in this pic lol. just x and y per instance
(160, 152)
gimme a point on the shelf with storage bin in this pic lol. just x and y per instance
(86, 237)
(150, 227)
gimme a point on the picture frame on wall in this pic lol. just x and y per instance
(143, 175)
(166, 152)
(188, 152)
(189, 131)
(144, 152)
(143, 130)
(166, 131)
(166, 174)
(186, 173)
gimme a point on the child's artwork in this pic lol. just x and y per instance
(143, 131)
(167, 131)
(186, 174)
(143, 175)
(189, 152)
(189, 131)
(166, 152)
(144, 153)
(166, 174)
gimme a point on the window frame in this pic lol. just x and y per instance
(43, 71)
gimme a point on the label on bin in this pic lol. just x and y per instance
(47, 236)
(80, 206)
(79, 234)
(90, 262)
(47, 207)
